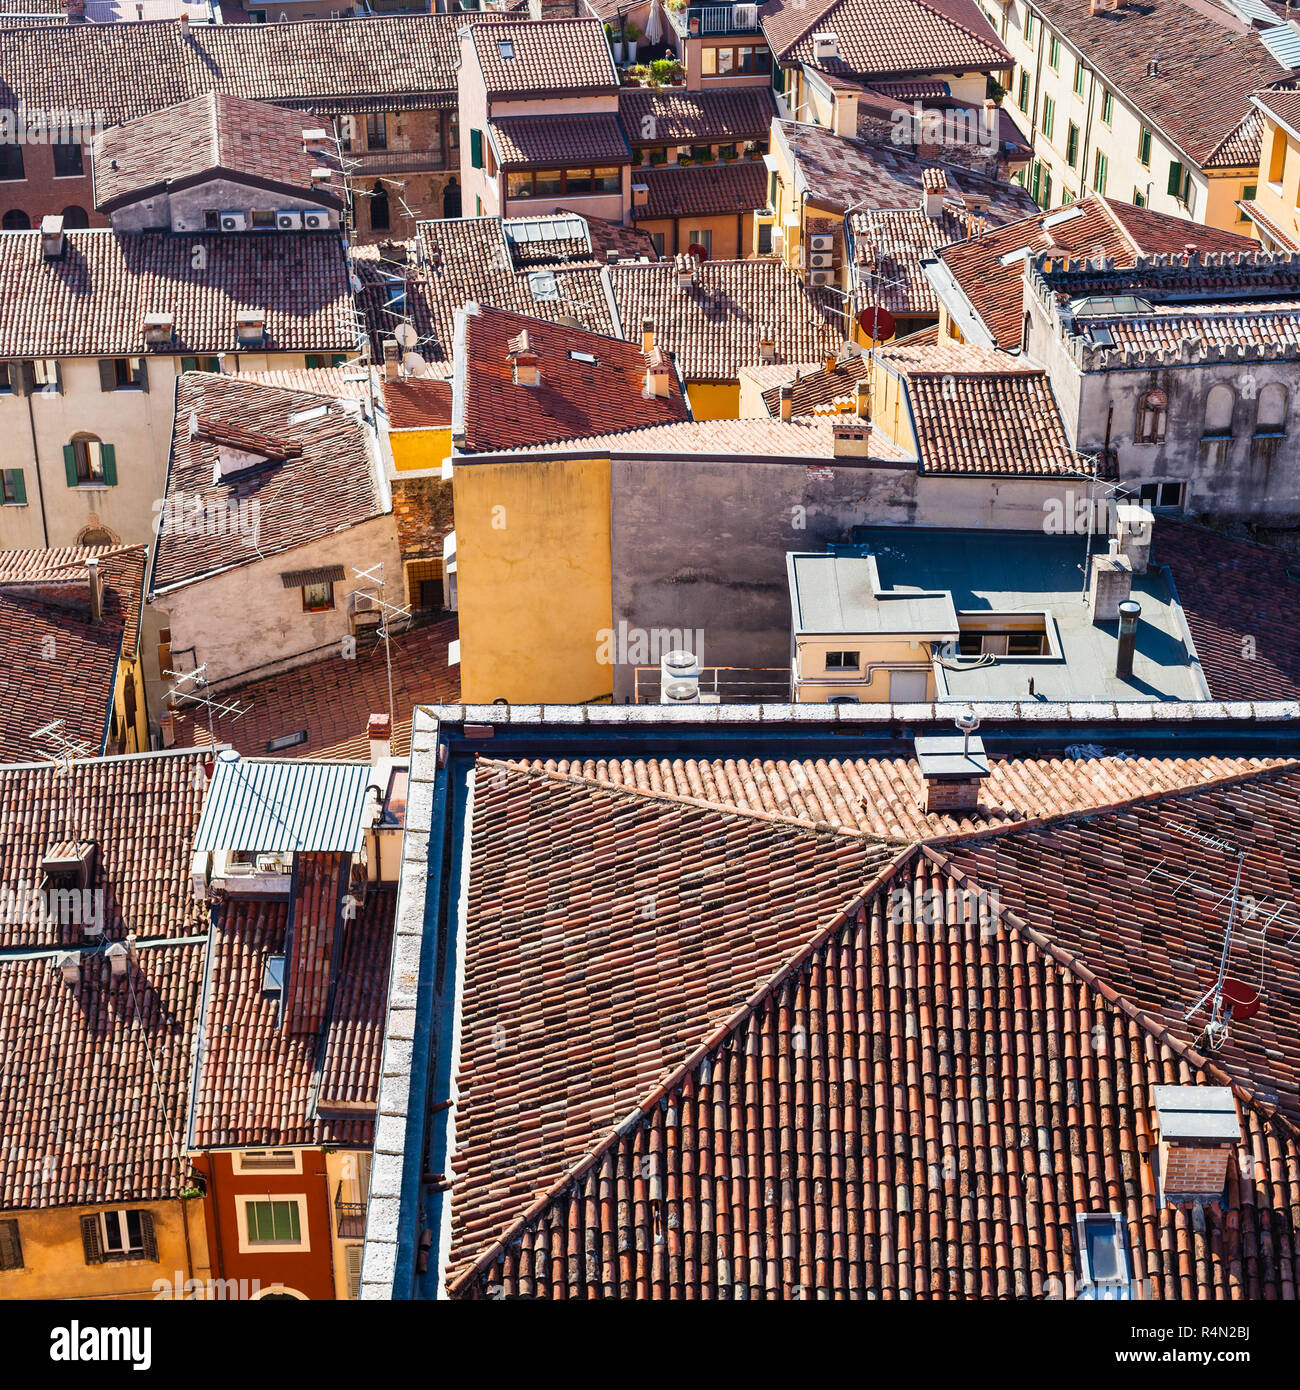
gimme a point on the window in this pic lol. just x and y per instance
(1270, 418)
(1046, 201)
(211, 220)
(268, 1223)
(1022, 98)
(273, 976)
(13, 488)
(268, 1161)
(11, 1248)
(1078, 77)
(1103, 1256)
(1139, 198)
(264, 218)
(318, 598)
(1099, 173)
(122, 374)
(1107, 107)
(75, 219)
(764, 239)
(1054, 53)
(1030, 16)
(1049, 117)
(1144, 146)
(506, 49)
(333, 359)
(1248, 192)
(701, 236)
(380, 217)
(1161, 494)
(46, 375)
(11, 163)
(735, 62)
(658, 239)
(1072, 145)
(551, 183)
(842, 661)
(89, 463)
(476, 149)
(203, 364)
(376, 132)
(1218, 412)
(1180, 181)
(1151, 417)
(110, 1236)
(67, 161)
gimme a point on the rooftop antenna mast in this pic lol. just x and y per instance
(390, 612)
(193, 688)
(65, 749)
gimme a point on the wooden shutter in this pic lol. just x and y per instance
(20, 378)
(1175, 186)
(107, 374)
(20, 485)
(11, 1249)
(352, 1257)
(70, 464)
(189, 364)
(108, 457)
(90, 1242)
(476, 148)
(147, 1235)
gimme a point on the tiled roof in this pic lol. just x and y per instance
(675, 116)
(575, 399)
(1240, 148)
(1102, 227)
(1281, 102)
(56, 662)
(604, 236)
(332, 699)
(842, 171)
(258, 1073)
(809, 438)
(712, 326)
(208, 136)
(1232, 591)
(453, 262)
(886, 36)
(560, 56)
(1286, 241)
(764, 1118)
(417, 403)
(94, 1083)
(890, 246)
(534, 141)
(387, 63)
(339, 383)
(92, 301)
(816, 388)
(1209, 66)
(329, 483)
(702, 190)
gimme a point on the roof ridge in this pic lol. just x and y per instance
(712, 1040)
(807, 827)
(1037, 823)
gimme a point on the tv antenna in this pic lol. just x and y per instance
(389, 612)
(194, 688)
(63, 749)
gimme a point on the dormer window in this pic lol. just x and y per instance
(69, 863)
(273, 976)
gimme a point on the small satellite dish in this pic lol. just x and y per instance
(405, 335)
(877, 323)
(413, 364)
(1242, 999)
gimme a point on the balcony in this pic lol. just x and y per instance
(377, 163)
(349, 1217)
(696, 21)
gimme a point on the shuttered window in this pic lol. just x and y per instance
(110, 1236)
(11, 1248)
(352, 1258)
(476, 148)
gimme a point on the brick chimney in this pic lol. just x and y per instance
(1199, 1132)
(379, 730)
(392, 360)
(934, 184)
(852, 438)
(523, 358)
(657, 374)
(767, 344)
(953, 767)
(787, 401)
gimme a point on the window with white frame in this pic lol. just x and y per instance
(274, 1221)
(268, 1161)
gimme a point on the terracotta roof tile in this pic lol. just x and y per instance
(529, 142)
(569, 56)
(675, 116)
(702, 190)
(417, 403)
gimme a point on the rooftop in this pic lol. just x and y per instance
(675, 116)
(701, 190)
(546, 57)
(534, 142)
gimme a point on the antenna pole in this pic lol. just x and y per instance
(1217, 1010)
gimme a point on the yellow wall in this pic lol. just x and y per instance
(1278, 198)
(419, 448)
(534, 579)
(817, 685)
(889, 410)
(714, 400)
(54, 1260)
(136, 736)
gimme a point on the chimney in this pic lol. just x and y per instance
(1129, 613)
(647, 335)
(96, 590)
(787, 401)
(316, 141)
(852, 439)
(69, 966)
(392, 360)
(119, 957)
(825, 45)
(953, 767)
(320, 176)
(76, 9)
(524, 359)
(767, 344)
(640, 195)
(52, 238)
(1133, 525)
(934, 184)
(250, 326)
(158, 328)
(864, 400)
(657, 374)
(185, 25)
(1108, 586)
(379, 730)
(829, 362)
(1199, 1130)
(685, 266)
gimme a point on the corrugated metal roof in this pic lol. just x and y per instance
(1283, 42)
(1254, 12)
(290, 806)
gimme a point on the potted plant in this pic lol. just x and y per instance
(658, 156)
(638, 75)
(729, 154)
(684, 160)
(615, 42)
(996, 91)
(631, 37)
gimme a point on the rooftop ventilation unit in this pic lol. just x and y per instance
(679, 678)
(821, 277)
(825, 45)
(288, 221)
(234, 222)
(315, 220)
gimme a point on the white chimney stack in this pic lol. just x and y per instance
(1133, 526)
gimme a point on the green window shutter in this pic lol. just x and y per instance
(70, 464)
(20, 486)
(476, 148)
(312, 362)
(1175, 186)
(107, 374)
(108, 456)
(189, 364)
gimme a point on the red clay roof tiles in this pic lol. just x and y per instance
(566, 57)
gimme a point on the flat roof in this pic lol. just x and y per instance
(833, 593)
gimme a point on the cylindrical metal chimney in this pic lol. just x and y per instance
(1129, 613)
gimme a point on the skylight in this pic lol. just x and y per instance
(273, 975)
(1104, 305)
(1103, 1257)
(1065, 215)
(1012, 257)
(506, 49)
(583, 357)
(543, 284)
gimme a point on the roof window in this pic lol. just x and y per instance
(506, 49)
(1103, 1257)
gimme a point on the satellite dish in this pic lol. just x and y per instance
(413, 364)
(877, 323)
(1242, 999)
(405, 335)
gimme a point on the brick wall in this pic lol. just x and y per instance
(952, 796)
(1188, 1169)
(422, 509)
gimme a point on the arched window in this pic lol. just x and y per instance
(94, 536)
(89, 462)
(75, 219)
(379, 217)
(16, 220)
(1153, 411)
(1270, 418)
(1218, 412)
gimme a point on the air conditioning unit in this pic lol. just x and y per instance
(273, 864)
(288, 221)
(821, 241)
(316, 220)
(821, 259)
(234, 222)
(821, 277)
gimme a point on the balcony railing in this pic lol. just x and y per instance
(729, 685)
(714, 19)
(373, 163)
(349, 1217)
